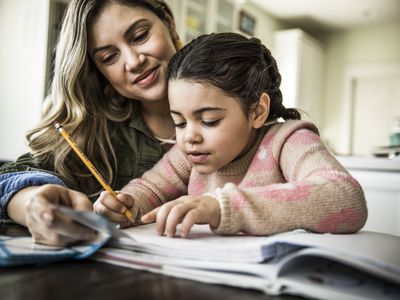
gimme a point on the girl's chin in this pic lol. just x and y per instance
(203, 170)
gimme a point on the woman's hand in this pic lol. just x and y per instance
(114, 209)
(188, 210)
(36, 207)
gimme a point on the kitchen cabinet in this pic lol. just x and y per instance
(301, 62)
(196, 17)
(380, 180)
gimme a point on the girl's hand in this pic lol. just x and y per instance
(113, 209)
(36, 207)
(188, 210)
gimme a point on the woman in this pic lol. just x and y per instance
(109, 93)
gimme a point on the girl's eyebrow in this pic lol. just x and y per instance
(126, 33)
(200, 110)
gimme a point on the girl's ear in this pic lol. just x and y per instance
(261, 111)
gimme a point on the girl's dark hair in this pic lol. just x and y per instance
(242, 68)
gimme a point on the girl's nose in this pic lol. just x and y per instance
(192, 136)
(133, 60)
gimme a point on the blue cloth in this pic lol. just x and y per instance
(11, 183)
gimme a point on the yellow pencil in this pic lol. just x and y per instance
(89, 165)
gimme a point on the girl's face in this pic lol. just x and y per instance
(211, 128)
(131, 47)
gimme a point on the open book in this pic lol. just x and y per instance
(365, 265)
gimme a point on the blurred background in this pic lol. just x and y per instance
(339, 60)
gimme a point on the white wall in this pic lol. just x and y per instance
(372, 45)
(23, 40)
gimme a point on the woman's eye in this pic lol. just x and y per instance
(108, 59)
(140, 36)
(211, 123)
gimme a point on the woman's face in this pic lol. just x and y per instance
(131, 47)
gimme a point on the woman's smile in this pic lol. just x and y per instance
(147, 78)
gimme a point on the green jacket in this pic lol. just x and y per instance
(135, 147)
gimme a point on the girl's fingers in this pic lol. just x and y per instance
(112, 204)
(188, 221)
(151, 216)
(125, 200)
(117, 217)
(162, 215)
(175, 217)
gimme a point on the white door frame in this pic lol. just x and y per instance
(354, 73)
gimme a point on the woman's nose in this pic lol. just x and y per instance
(133, 60)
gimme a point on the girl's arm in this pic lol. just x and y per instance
(166, 181)
(319, 194)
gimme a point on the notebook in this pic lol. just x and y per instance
(365, 265)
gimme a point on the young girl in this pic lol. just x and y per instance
(235, 166)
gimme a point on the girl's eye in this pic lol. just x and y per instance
(180, 125)
(142, 35)
(211, 123)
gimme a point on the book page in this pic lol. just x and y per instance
(202, 244)
(370, 251)
(321, 278)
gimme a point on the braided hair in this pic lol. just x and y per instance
(242, 68)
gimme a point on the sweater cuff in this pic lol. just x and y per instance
(11, 183)
(229, 223)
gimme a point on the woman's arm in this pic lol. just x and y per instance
(29, 196)
(12, 183)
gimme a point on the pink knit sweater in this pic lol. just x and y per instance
(287, 180)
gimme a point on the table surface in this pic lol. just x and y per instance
(89, 279)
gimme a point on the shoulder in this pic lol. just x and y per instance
(283, 130)
(280, 133)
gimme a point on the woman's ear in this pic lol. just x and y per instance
(261, 111)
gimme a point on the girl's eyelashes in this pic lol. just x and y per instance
(205, 123)
(180, 125)
(211, 123)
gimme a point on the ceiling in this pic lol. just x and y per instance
(332, 14)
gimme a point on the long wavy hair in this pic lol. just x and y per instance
(83, 101)
(239, 66)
